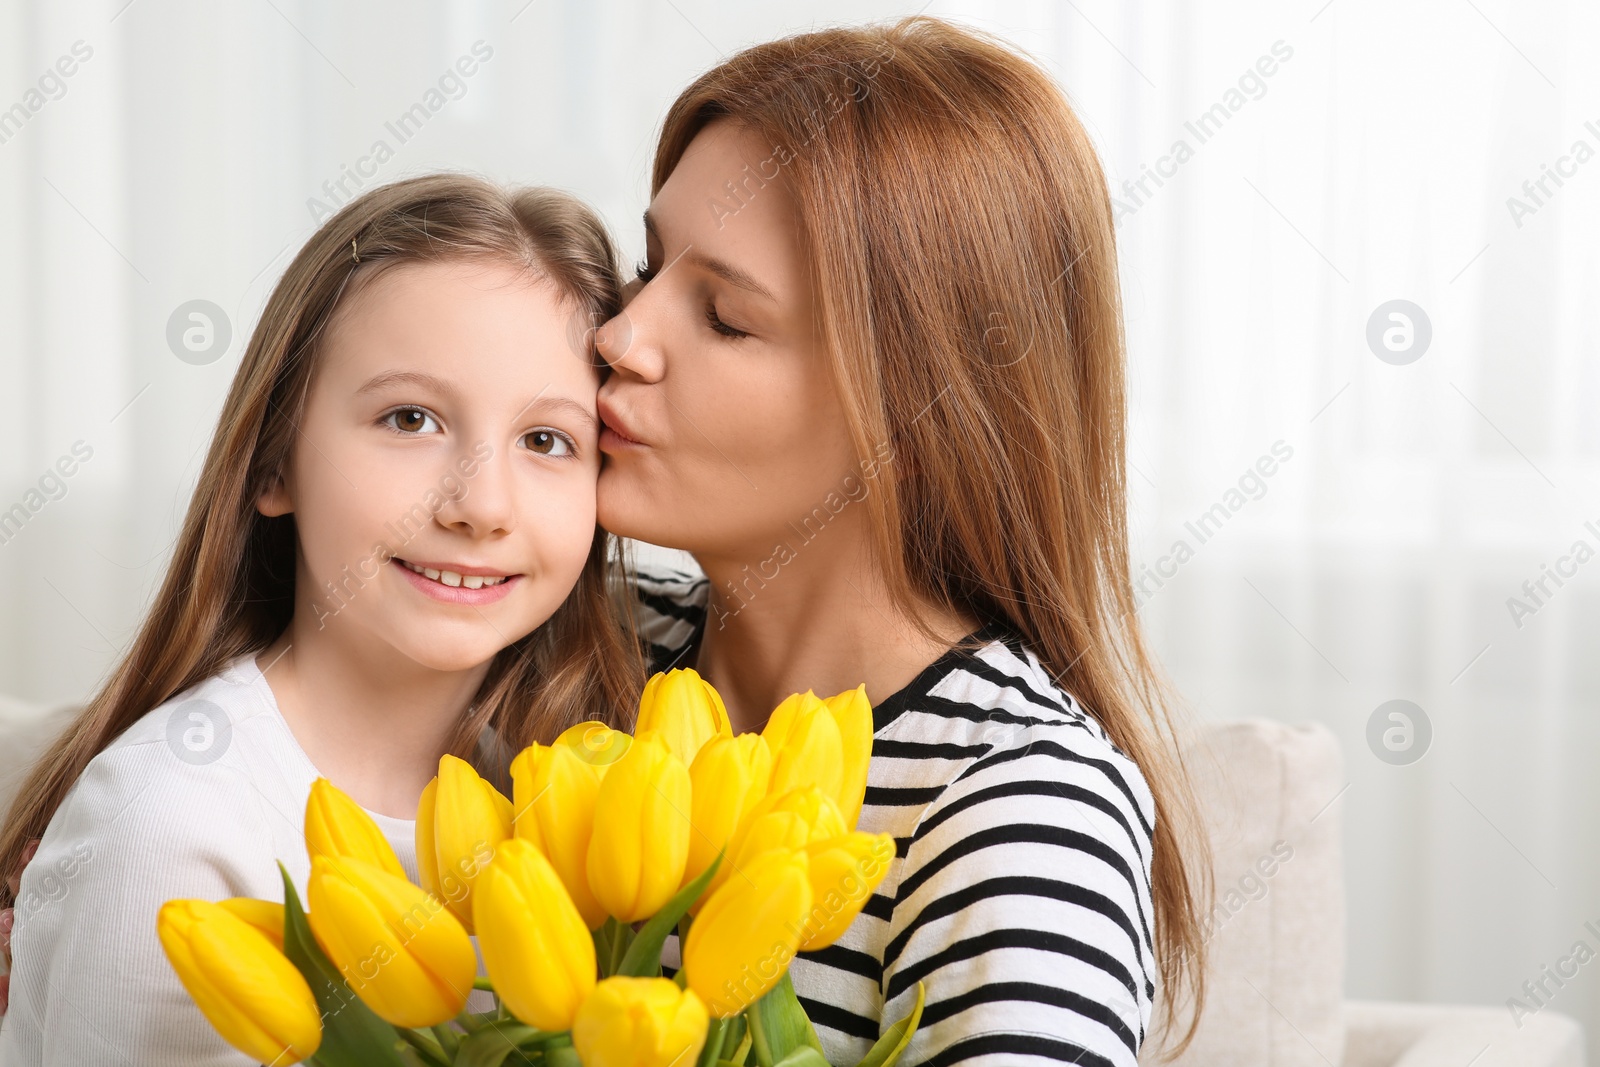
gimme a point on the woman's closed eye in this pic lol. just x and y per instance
(411, 421)
(548, 442)
(715, 322)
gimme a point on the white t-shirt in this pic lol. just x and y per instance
(199, 798)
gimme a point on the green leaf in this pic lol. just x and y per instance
(352, 1036)
(778, 1024)
(742, 1053)
(804, 1056)
(491, 1043)
(643, 959)
(896, 1038)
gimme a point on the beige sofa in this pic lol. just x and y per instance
(1271, 797)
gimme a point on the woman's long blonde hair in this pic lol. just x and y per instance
(230, 587)
(965, 269)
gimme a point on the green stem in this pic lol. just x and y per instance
(560, 1053)
(468, 1021)
(758, 1037)
(713, 1046)
(483, 982)
(619, 945)
(602, 946)
(426, 1047)
(449, 1041)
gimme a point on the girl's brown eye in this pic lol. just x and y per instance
(546, 443)
(411, 421)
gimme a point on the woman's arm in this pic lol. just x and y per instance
(1024, 906)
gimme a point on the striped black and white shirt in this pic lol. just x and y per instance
(1020, 890)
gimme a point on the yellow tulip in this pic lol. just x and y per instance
(265, 915)
(598, 744)
(789, 821)
(686, 709)
(524, 768)
(852, 711)
(246, 988)
(843, 872)
(402, 951)
(640, 1022)
(337, 826)
(641, 830)
(535, 945)
(807, 748)
(562, 798)
(728, 778)
(460, 820)
(741, 943)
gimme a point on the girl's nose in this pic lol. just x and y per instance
(486, 506)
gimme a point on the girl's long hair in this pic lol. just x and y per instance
(965, 271)
(230, 587)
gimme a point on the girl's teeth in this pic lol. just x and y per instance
(452, 579)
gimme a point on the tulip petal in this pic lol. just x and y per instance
(471, 817)
(852, 711)
(265, 915)
(402, 950)
(640, 1022)
(843, 872)
(747, 932)
(640, 842)
(809, 752)
(242, 984)
(536, 947)
(335, 825)
(524, 822)
(565, 789)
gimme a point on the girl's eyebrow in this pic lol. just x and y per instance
(405, 377)
(571, 407)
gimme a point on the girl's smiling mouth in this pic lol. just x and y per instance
(456, 583)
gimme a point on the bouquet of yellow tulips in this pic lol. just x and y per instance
(745, 845)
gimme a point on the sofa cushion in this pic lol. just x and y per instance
(1269, 794)
(25, 731)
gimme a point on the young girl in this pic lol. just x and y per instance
(391, 555)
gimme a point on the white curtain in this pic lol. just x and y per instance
(1292, 169)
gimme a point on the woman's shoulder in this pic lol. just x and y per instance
(669, 606)
(999, 709)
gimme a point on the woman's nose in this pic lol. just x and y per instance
(627, 341)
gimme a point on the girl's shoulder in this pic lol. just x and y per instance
(215, 756)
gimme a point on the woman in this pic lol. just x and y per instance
(871, 378)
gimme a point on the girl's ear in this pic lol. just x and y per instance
(274, 500)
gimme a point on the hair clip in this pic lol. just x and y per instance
(354, 255)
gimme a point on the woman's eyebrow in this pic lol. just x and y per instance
(720, 267)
